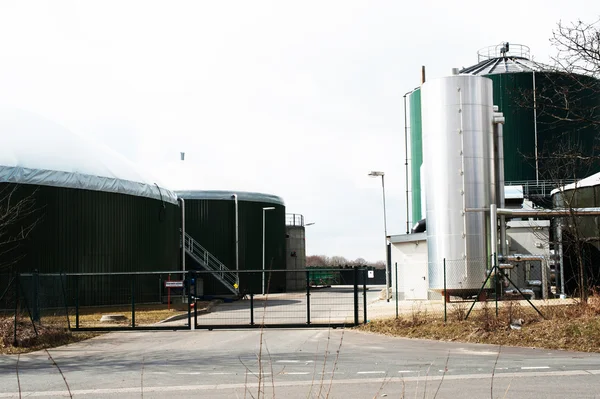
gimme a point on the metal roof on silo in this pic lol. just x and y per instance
(497, 59)
(40, 152)
(226, 195)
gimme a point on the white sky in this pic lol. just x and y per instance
(299, 99)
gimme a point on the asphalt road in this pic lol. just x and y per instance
(296, 363)
(327, 305)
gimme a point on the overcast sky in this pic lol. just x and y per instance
(295, 98)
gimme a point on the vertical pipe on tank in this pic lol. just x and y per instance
(499, 165)
(237, 237)
(494, 232)
(535, 132)
(493, 216)
(406, 162)
(182, 233)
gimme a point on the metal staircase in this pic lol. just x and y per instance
(209, 262)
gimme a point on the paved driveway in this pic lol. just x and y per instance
(296, 363)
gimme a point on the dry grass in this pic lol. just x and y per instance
(53, 331)
(571, 327)
(48, 337)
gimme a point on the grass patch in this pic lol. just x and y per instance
(569, 327)
(48, 337)
(53, 330)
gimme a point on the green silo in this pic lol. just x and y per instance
(547, 114)
(416, 151)
(210, 219)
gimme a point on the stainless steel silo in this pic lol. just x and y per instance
(457, 133)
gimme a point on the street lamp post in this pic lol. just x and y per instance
(268, 208)
(387, 277)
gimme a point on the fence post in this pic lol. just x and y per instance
(251, 309)
(396, 286)
(15, 343)
(356, 295)
(364, 296)
(445, 295)
(195, 312)
(36, 299)
(495, 270)
(307, 297)
(63, 277)
(133, 300)
(76, 301)
(188, 286)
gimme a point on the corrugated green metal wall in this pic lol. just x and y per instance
(513, 95)
(416, 153)
(97, 232)
(212, 223)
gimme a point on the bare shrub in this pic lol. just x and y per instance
(458, 311)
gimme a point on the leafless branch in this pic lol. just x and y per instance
(60, 371)
(17, 370)
(494, 372)
(443, 375)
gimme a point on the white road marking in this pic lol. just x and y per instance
(297, 373)
(534, 367)
(191, 373)
(371, 372)
(288, 361)
(180, 388)
(407, 371)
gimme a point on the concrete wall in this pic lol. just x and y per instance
(295, 242)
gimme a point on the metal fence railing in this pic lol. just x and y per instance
(182, 300)
(294, 219)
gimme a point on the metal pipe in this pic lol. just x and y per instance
(493, 216)
(267, 208)
(549, 213)
(499, 133)
(541, 213)
(182, 233)
(522, 257)
(237, 238)
(494, 230)
(535, 132)
(263, 251)
(387, 258)
(406, 163)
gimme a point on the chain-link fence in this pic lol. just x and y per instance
(456, 290)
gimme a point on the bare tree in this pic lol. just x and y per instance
(567, 105)
(18, 218)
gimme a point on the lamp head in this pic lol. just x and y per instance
(376, 174)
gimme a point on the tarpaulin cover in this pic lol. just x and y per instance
(39, 152)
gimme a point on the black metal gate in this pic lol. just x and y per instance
(311, 298)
